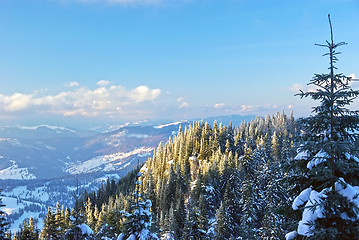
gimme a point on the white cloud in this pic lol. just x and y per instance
(144, 93)
(103, 83)
(353, 76)
(104, 100)
(180, 99)
(246, 108)
(296, 87)
(183, 105)
(73, 84)
(355, 83)
(219, 105)
(15, 102)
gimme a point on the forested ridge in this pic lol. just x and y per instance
(209, 181)
(221, 181)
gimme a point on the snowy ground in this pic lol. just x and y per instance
(108, 162)
(14, 172)
(13, 206)
(33, 198)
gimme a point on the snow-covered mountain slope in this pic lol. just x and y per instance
(44, 164)
(14, 172)
(44, 152)
(23, 199)
(41, 132)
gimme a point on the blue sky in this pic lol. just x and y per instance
(71, 61)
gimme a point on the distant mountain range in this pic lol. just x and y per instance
(50, 152)
(43, 152)
(41, 165)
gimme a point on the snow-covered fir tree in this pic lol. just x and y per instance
(3, 220)
(249, 197)
(328, 167)
(139, 219)
(28, 230)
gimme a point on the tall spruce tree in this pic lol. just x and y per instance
(28, 230)
(139, 219)
(327, 159)
(3, 221)
(51, 229)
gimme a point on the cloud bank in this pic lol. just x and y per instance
(106, 99)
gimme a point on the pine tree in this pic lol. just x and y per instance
(90, 219)
(28, 230)
(50, 229)
(139, 219)
(328, 164)
(3, 220)
(60, 218)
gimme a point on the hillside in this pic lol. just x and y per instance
(206, 180)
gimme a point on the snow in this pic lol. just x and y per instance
(167, 236)
(144, 168)
(301, 198)
(120, 237)
(85, 229)
(348, 191)
(107, 162)
(349, 156)
(40, 193)
(144, 155)
(14, 172)
(193, 184)
(143, 235)
(291, 235)
(311, 212)
(12, 141)
(302, 155)
(47, 126)
(132, 237)
(320, 157)
(107, 176)
(209, 189)
(12, 206)
(169, 124)
(138, 135)
(36, 215)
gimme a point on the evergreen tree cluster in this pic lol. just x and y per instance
(3, 221)
(206, 182)
(103, 214)
(218, 182)
(325, 173)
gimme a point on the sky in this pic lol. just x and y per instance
(76, 62)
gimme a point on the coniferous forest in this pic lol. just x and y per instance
(271, 178)
(208, 181)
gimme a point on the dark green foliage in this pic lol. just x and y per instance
(51, 228)
(3, 220)
(28, 230)
(205, 167)
(205, 183)
(138, 220)
(328, 154)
